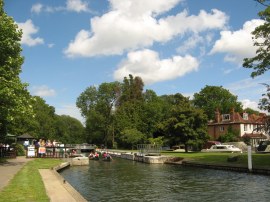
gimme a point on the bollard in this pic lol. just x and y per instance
(249, 159)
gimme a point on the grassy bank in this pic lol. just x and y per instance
(27, 184)
(258, 160)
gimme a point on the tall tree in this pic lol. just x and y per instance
(45, 118)
(14, 97)
(261, 36)
(69, 130)
(211, 98)
(185, 124)
(98, 105)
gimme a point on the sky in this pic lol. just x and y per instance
(175, 46)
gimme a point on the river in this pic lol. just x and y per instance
(125, 180)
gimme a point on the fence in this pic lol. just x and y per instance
(149, 149)
(7, 152)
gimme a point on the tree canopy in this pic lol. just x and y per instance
(15, 100)
(211, 98)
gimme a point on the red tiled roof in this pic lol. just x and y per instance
(255, 135)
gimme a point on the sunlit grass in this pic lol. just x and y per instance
(258, 160)
(27, 185)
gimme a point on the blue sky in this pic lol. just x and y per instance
(176, 46)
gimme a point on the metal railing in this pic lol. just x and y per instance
(149, 149)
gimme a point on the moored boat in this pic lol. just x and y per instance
(223, 148)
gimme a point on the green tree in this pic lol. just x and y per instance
(185, 124)
(14, 98)
(231, 135)
(132, 137)
(45, 119)
(211, 98)
(69, 130)
(98, 106)
(261, 37)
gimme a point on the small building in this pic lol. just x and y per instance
(249, 125)
(22, 138)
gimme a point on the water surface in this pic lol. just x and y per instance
(124, 180)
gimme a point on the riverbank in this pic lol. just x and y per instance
(220, 161)
(35, 180)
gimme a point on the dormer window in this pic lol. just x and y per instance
(225, 117)
(245, 116)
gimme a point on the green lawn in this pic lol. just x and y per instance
(27, 184)
(258, 160)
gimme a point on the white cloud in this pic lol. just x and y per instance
(151, 68)
(37, 8)
(43, 91)
(191, 43)
(29, 29)
(50, 45)
(237, 45)
(250, 104)
(71, 5)
(131, 25)
(70, 110)
(77, 6)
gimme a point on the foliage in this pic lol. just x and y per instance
(97, 105)
(14, 98)
(251, 111)
(156, 141)
(69, 130)
(211, 98)
(261, 37)
(45, 120)
(132, 137)
(231, 135)
(185, 123)
(20, 150)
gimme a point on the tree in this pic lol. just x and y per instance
(132, 137)
(261, 37)
(14, 98)
(261, 62)
(185, 124)
(69, 130)
(232, 135)
(45, 119)
(211, 98)
(98, 106)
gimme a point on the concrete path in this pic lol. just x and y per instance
(9, 169)
(58, 189)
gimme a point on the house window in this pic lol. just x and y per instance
(225, 117)
(221, 128)
(245, 127)
(245, 116)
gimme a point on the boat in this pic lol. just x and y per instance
(106, 157)
(223, 148)
(93, 156)
(264, 147)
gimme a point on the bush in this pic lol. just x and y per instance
(20, 150)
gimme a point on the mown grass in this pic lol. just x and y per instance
(258, 160)
(27, 184)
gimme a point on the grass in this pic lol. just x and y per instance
(27, 185)
(258, 160)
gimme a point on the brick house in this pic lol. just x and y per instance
(248, 125)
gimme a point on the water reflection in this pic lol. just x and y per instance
(124, 180)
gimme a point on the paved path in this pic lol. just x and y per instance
(65, 192)
(9, 169)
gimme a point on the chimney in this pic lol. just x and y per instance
(217, 116)
(232, 115)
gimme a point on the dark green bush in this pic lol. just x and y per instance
(20, 150)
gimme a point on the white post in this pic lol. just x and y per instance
(249, 158)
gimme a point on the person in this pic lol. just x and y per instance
(26, 144)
